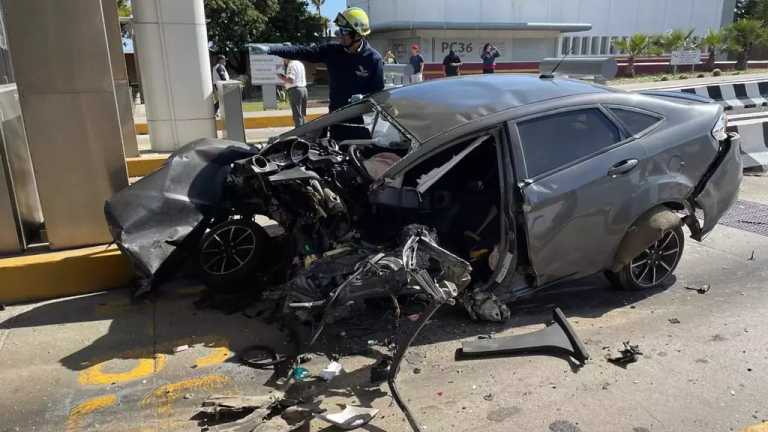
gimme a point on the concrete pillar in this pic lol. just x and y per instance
(120, 78)
(67, 95)
(172, 48)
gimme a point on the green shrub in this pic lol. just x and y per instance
(716, 72)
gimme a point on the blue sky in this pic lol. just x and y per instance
(332, 7)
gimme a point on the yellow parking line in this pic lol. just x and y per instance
(86, 408)
(145, 367)
(163, 396)
(762, 427)
(218, 356)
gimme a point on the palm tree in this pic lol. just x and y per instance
(742, 36)
(637, 45)
(675, 40)
(318, 4)
(713, 41)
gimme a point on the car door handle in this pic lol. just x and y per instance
(623, 167)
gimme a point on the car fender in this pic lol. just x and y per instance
(648, 228)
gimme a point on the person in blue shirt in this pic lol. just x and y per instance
(354, 67)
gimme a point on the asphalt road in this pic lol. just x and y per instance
(100, 362)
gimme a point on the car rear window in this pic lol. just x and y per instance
(555, 140)
(635, 121)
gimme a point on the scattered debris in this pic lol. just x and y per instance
(188, 396)
(238, 413)
(674, 321)
(331, 371)
(416, 371)
(380, 370)
(752, 257)
(627, 355)
(261, 357)
(733, 393)
(181, 348)
(488, 397)
(300, 373)
(557, 337)
(413, 317)
(351, 418)
(701, 290)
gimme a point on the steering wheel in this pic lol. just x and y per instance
(357, 161)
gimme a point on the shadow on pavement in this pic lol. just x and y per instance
(157, 326)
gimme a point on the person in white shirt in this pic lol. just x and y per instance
(295, 82)
(219, 73)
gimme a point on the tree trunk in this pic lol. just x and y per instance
(631, 66)
(742, 59)
(711, 59)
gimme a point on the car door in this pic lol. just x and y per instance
(580, 174)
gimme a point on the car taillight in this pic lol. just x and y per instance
(719, 131)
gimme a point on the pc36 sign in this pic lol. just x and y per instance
(685, 57)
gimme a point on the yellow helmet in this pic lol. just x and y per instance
(354, 19)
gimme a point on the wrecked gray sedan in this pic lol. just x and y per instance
(509, 183)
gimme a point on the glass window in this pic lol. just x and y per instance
(555, 140)
(635, 121)
(604, 45)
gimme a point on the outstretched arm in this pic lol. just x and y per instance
(313, 54)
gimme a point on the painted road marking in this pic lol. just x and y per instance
(145, 367)
(762, 427)
(86, 408)
(162, 397)
(218, 356)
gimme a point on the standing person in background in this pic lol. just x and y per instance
(451, 64)
(489, 56)
(417, 64)
(218, 73)
(389, 57)
(295, 82)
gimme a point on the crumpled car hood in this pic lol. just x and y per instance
(151, 218)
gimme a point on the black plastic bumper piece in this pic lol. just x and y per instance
(556, 338)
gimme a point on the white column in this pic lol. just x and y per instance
(172, 49)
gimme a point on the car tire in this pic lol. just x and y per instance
(653, 267)
(231, 254)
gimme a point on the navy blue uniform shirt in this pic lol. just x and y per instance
(361, 72)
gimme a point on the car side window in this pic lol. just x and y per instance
(555, 140)
(635, 121)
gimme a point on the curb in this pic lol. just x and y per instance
(260, 122)
(143, 165)
(63, 273)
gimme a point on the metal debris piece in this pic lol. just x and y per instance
(380, 370)
(626, 356)
(674, 321)
(261, 357)
(701, 290)
(351, 418)
(558, 337)
(181, 348)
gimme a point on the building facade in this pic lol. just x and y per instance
(528, 30)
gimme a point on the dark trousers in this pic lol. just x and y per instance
(487, 71)
(297, 98)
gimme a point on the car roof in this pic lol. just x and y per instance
(433, 107)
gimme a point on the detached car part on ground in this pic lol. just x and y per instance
(532, 181)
